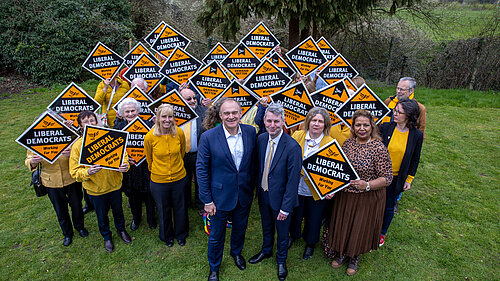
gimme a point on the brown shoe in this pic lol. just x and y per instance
(338, 261)
(108, 245)
(352, 268)
(125, 237)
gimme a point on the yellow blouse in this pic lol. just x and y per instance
(397, 149)
(164, 155)
(104, 98)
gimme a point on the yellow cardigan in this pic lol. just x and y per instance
(53, 175)
(164, 155)
(102, 182)
(300, 137)
(103, 98)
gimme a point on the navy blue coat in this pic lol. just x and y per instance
(284, 172)
(218, 179)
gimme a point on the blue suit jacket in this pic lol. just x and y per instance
(284, 172)
(218, 179)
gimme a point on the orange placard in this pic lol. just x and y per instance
(326, 48)
(180, 66)
(103, 146)
(218, 53)
(143, 99)
(266, 79)
(338, 68)
(153, 35)
(183, 113)
(296, 102)
(331, 98)
(137, 130)
(144, 67)
(329, 170)
(48, 137)
(103, 62)
(210, 81)
(306, 57)
(244, 96)
(136, 52)
(260, 40)
(168, 40)
(241, 61)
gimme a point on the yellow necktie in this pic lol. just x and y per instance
(187, 134)
(265, 175)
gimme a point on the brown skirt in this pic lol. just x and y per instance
(355, 224)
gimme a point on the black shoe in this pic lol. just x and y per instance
(134, 226)
(259, 257)
(67, 241)
(239, 261)
(308, 252)
(213, 276)
(282, 271)
(125, 237)
(170, 243)
(83, 232)
(109, 246)
(152, 226)
(290, 242)
(87, 209)
(182, 242)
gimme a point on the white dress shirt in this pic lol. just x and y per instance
(235, 144)
(310, 146)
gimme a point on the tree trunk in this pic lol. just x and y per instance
(389, 61)
(293, 31)
(476, 64)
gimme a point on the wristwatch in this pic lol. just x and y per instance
(367, 186)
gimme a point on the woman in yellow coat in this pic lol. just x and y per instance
(108, 93)
(165, 147)
(102, 185)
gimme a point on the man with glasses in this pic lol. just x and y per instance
(192, 132)
(406, 89)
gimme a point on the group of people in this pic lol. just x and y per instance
(228, 160)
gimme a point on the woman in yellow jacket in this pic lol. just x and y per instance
(314, 135)
(165, 147)
(108, 93)
(62, 190)
(102, 185)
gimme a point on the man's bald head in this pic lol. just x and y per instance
(140, 83)
(189, 96)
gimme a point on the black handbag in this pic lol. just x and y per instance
(36, 182)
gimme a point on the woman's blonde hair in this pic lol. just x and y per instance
(158, 130)
(321, 111)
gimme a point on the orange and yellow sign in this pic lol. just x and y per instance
(296, 102)
(136, 52)
(71, 102)
(244, 96)
(180, 66)
(329, 170)
(260, 40)
(183, 113)
(218, 53)
(306, 57)
(168, 40)
(143, 99)
(267, 79)
(137, 130)
(153, 35)
(103, 146)
(364, 98)
(144, 67)
(47, 137)
(326, 48)
(241, 61)
(103, 62)
(338, 68)
(330, 98)
(210, 81)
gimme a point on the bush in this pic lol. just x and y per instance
(48, 40)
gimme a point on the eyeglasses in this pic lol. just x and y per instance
(189, 98)
(402, 89)
(394, 111)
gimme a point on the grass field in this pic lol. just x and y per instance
(447, 227)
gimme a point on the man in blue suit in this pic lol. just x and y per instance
(280, 161)
(225, 171)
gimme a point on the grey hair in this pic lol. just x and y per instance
(413, 82)
(276, 109)
(128, 101)
(140, 80)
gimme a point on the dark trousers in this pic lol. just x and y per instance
(62, 197)
(269, 223)
(102, 203)
(390, 204)
(135, 199)
(312, 213)
(169, 197)
(88, 203)
(217, 235)
(190, 166)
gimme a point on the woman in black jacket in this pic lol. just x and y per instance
(404, 142)
(135, 182)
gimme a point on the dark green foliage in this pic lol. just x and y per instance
(49, 40)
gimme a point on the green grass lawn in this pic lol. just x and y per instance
(447, 227)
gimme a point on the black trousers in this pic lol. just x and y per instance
(135, 199)
(62, 197)
(190, 166)
(312, 213)
(102, 204)
(169, 198)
